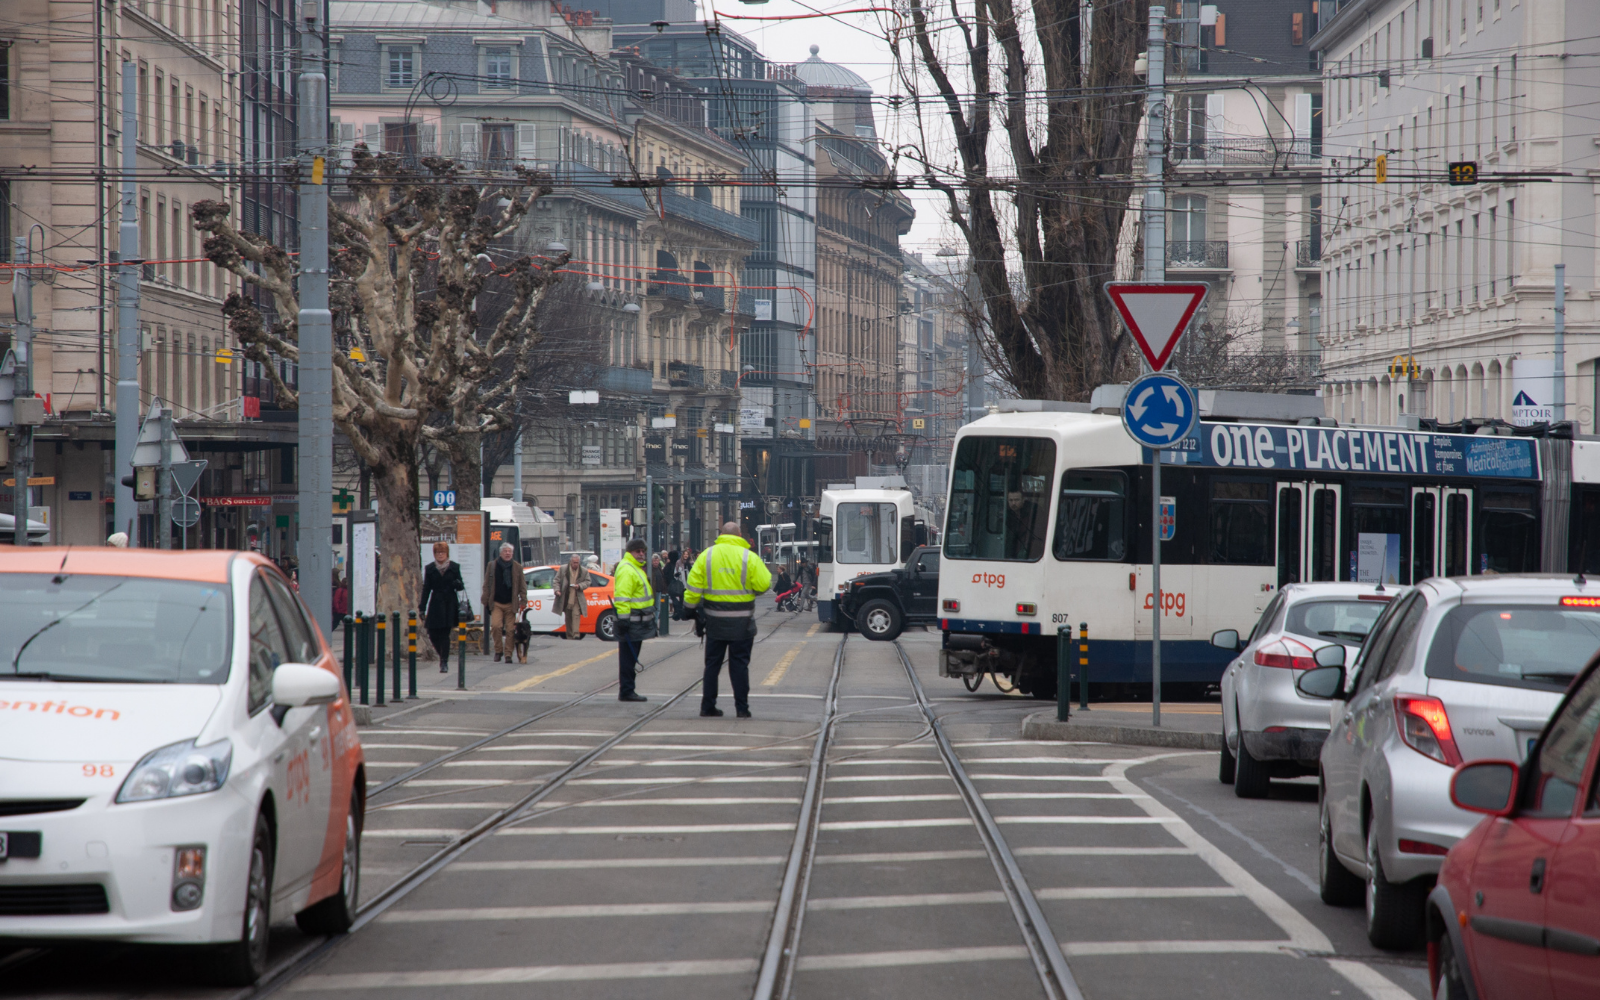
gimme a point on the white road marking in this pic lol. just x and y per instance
(636, 801)
(449, 782)
(888, 959)
(515, 747)
(741, 762)
(576, 911)
(530, 762)
(951, 797)
(445, 979)
(408, 746)
(906, 824)
(578, 864)
(392, 763)
(915, 899)
(1098, 762)
(1034, 777)
(876, 761)
(1138, 892)
(552, 831)
(888, 777)
(414, 833)
(854, 799)
(1193, 947)
(408, 731)
(891, 857)
(1040, 852)
(665, 782)
(1368, 980)
(416, 806)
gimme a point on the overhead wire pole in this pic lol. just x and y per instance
(315, 547)
(22, 350)
(1155, 269)
(125, 509)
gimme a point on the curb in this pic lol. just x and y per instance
(1043, 726)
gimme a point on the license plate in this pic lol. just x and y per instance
(20, 844)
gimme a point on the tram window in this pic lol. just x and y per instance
(824, 540)
(1423, 520)
(908, 537)
(867, 532)
(1586, 532)
(1455, 534)
(1509, 533)
(999, 498)
(1288, 536)
(1324, 535)
(1092, 516)
(1379, 510)
(1241, 523)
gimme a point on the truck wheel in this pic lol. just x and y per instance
(880, 621)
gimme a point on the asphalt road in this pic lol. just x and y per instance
(654, 871)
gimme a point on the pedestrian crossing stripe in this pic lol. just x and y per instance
(782, 666)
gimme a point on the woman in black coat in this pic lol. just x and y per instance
(441, 601)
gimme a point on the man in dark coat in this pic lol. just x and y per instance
(441, 602)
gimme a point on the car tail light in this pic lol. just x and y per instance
(1425, 727)
(1024, 608)
(1286, 653)
(1421, 847)
(951, 604)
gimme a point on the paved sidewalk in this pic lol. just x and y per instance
(1184, 725)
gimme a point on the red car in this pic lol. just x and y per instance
(1516, 911)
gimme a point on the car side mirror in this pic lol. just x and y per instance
(1329, 656)
(1326, 683)
(295, 685)
(1485, 786)
(1227, 638)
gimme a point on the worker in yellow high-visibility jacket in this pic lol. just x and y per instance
(722, 588)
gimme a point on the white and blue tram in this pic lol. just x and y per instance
(1048, 524)
(860, 531)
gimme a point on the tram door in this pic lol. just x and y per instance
(1308, 532)
(1441, 532)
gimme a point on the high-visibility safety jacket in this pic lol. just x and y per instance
(726, 579)
(632, 592)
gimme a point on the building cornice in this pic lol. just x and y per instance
(1342, 24)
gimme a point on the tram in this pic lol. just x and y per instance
(860, 530)
(1049, 514)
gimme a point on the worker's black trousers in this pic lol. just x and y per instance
(738, 651)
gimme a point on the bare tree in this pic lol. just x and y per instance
(405, 276)
(1068, 103)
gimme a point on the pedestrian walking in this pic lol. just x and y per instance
(634, 600)
(723, 585)
(341, 597)
(441, 601)
(677, 573)
(570, 603)
(505, 592)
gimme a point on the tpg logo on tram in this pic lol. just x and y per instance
(996, 580)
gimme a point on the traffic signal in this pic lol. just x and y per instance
(142, 482)
(1464, 172)
(1380, 169)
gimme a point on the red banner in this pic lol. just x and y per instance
(236, 501)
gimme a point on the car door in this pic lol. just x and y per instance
(311, 778)
(1572, 882)
(542, 616)
(924, 585)
(299, 836)
(1347, 738)
(597, 598)
(1234, 681)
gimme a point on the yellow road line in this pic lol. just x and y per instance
(569, 668)
(814, 629)
(782, 667)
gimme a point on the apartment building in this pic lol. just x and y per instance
(1441, 294)
(934, 330)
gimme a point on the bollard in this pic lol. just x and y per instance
(663, 614)
(1083, 666)
(461, 657)
(377, 661)
(361, 654)
(411, 648)
(349, 663)
(394, 623)
(1063, 672)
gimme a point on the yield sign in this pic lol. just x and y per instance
(1157, 313)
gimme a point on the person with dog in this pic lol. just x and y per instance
(634, 600)
(440, 603)
(723, 587)
(505, 592)
(569, 583)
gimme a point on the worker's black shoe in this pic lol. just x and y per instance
(632, 697)
(711, 712)
(743, 713)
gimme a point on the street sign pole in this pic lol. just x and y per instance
(313, 547)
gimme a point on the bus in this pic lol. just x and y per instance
(859, 531)
(1049, 514)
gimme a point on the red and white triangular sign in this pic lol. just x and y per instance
(1157, 313)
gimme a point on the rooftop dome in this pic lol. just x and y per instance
(816, 73)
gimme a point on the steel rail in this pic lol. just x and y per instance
(1043, 947)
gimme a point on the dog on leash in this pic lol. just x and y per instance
(521, 636)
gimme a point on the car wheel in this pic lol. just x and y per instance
(1251, 779)
(1394, 911)
(1337, 885)
(1452, 985)
(605, 627)
(242, 962)
(335, 914)
(1225, 761)
(880, 621)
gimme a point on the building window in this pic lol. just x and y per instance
(400, 137)
(5, 80)
(402, 66)
(499, 143)
(498, 67)
(333, 67)
(1187, 220)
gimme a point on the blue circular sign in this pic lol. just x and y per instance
(444, 498)
(1159, 410)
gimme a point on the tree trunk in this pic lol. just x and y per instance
(400, 577)
(466, 477)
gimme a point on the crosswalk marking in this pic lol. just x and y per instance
(570, 864)
(613, 831)
(1139, 892)
(635, 801)
(915, 899)
(569, 912)
(931, 956)
(782, 666)
(450, 978)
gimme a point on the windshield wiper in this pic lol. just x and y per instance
(1550, 675)
(52, 624)
(1336, 633)
(45, 675)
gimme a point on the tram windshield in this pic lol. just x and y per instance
(866, 533)
(1000, 498)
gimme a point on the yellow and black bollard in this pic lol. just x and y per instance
(461, 657)
(411, 648)
(1083, 666)
(381, 621)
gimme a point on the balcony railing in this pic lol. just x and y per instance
(682, 374)
(1206, 255)
(669, 285)
(1307, 253)
(1249, 151)
(711, 297)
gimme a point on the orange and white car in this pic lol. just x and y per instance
(179, 763)
(598, 618)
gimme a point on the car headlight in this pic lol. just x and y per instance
(178, 769)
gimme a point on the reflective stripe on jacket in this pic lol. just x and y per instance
(726, 579)
(632, 592)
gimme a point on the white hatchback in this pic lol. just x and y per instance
(178, 758)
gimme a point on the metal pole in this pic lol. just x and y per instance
(394, 623)
(361, 653)
(1155, 586)
(1063, 672)
(381, 622)
(516, 470)
(315, 440)
(650, 511)
(1559, 396)
(1155, 195)
(164, 481)
(125, 510)
(22, 347)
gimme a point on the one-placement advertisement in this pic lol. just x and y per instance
(1377, 558)
(610, 538)
(1533, 391)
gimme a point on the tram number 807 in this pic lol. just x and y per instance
(1061, 619)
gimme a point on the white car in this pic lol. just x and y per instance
(178, 759)
(1269, 729)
